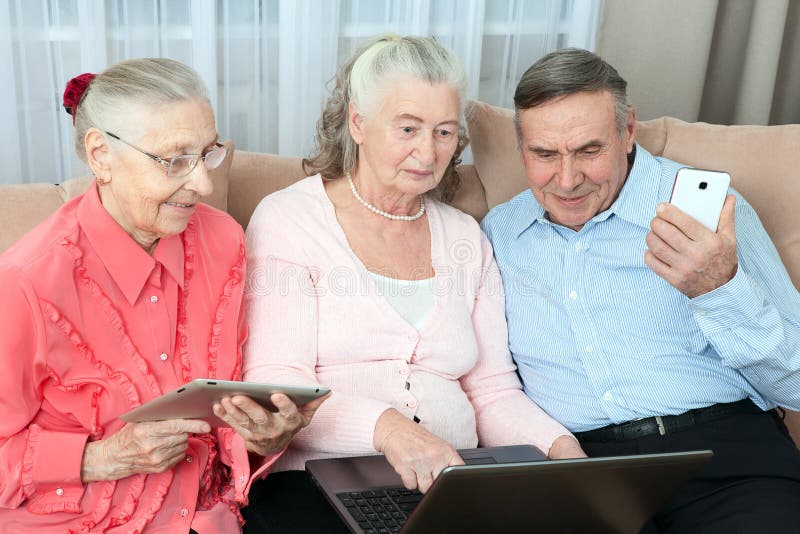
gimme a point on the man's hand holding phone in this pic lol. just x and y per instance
(688, 254)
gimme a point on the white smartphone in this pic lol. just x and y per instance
(194, 400)
(701, 194)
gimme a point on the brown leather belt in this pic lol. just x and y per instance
(668, 424)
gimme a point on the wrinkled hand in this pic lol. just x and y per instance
(565, 447)
(266, 432)
(139, 448)
(415, 454)
(689, 256)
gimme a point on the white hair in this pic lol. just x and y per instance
(148, 82)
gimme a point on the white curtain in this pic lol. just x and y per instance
(267, 63)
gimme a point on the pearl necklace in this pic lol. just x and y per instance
(382, 213)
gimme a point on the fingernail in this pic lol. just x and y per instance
(660, 208)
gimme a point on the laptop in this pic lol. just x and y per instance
(506, 489)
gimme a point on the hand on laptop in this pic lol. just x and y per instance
(415, 454)
(266, 432)
(565, 447)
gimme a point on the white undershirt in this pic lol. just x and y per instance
(412, 299)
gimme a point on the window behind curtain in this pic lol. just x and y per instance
(266, 62)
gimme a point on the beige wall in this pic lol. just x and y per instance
(661, 47)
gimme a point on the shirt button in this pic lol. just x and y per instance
(154, 299)
(608, 396)
(59, 492)
(404, 372)
(578, 246)
(241, 478)
(184, 512)
(589, 348)
(701, 312)
(573, 295)
(188, 459)
(163, 356)
(412, 337)
(412, 403)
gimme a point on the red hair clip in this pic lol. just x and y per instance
(74, 91)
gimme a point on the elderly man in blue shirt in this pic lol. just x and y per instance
(634, 325)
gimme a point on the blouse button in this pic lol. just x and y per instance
(184, 512)
(163, 356)
(154, 299)
(59, 492)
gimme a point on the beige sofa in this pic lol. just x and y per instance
(761, 161)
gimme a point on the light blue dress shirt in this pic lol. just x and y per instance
(599, 338)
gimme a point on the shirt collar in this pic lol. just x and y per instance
(639, 194)
(530, 212)
(126, 262)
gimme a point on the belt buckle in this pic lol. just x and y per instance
(661, 428)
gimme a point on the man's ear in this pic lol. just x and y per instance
(355, 122)
(630, 129)
(98, 154)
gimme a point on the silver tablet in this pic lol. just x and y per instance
(195, 399)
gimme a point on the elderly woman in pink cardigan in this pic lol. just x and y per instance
(363, 279)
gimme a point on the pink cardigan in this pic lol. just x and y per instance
(315, 317)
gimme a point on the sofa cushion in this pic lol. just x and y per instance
(470, 197)
(23, 206)
(255, 175)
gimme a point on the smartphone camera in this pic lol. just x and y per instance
(703, 185)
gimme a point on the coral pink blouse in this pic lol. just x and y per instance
(91, 326)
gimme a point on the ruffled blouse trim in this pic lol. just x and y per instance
(154, 501)
(101, 507)
(235, 278)
(68, 330)
(182, 338)
(114, 317)
(28, 485)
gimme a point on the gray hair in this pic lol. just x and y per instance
(134, 82)
(569, 71)
(359, 80)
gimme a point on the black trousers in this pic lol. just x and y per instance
(751, 485)
(289, 502)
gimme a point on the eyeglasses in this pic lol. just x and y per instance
(182, 165)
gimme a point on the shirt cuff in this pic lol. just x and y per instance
(52, 470)
(729, 305)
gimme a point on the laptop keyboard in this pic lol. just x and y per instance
(380, 511)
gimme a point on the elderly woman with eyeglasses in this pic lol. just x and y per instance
(127, 292)
(363, 279)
